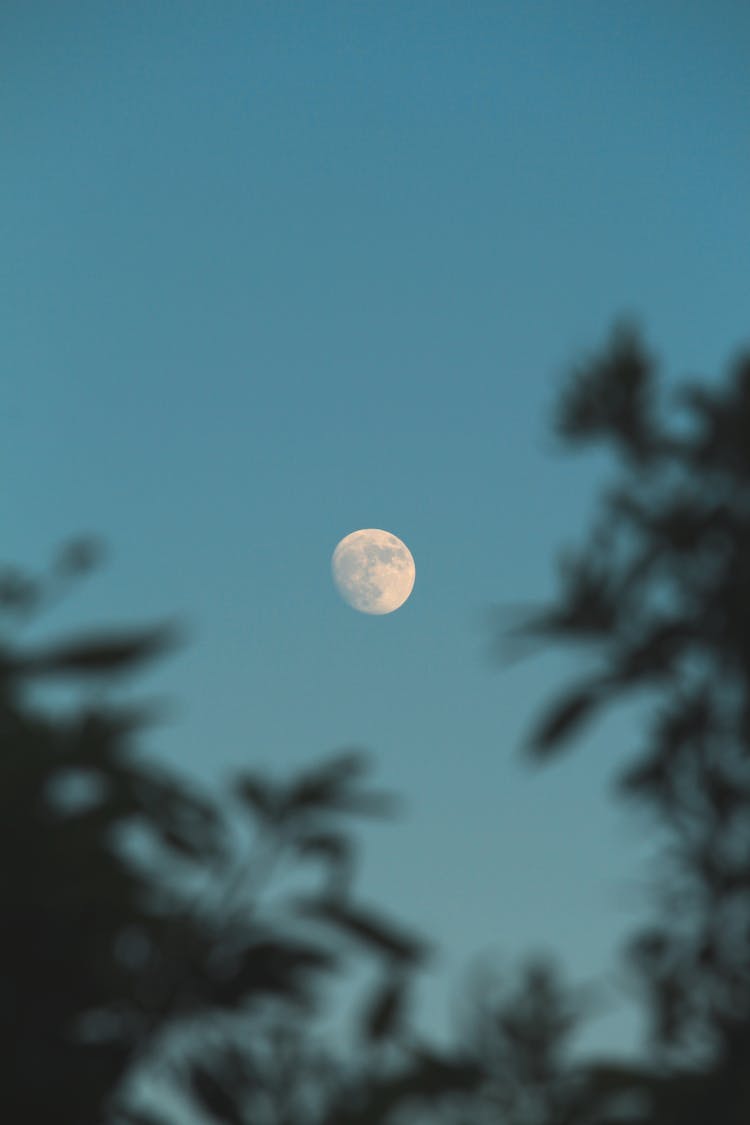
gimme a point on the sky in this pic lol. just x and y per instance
(275, 272)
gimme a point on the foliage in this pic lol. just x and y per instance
(154, 934)
(659, 596)
(139, 921)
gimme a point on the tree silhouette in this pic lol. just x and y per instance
(659, 597)
(150, 930)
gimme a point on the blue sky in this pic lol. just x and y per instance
(274, 272)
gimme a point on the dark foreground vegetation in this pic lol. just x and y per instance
(167, 954)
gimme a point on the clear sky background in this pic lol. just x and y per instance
(274, 272)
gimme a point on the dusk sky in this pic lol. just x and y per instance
(275, 272)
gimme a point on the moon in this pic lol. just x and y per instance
(373, 570)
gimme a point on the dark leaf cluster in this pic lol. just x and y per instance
(658, 598)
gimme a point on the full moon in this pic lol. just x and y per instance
(373, 570)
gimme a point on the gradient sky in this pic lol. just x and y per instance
(274, 272)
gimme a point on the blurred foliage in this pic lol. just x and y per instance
(158, 938)
(658, 596)
(169, 955)
(152, 930)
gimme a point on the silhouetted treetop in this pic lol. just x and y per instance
(140, 916)
(658, 597)
(612, 397)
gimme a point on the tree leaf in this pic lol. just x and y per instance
(102, 655)
(382, 1014)
(270, 967)
(212, 1095)
(259, 796)
(562, 720)
(368, 929)
(78, 556)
